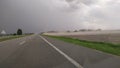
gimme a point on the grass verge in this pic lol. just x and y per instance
(11, 37)
(102, 46)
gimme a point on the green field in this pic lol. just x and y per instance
(10, 37)
(102, 46)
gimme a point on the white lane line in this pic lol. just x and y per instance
(23, 42)
(65, 55)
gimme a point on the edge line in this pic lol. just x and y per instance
(62, 53)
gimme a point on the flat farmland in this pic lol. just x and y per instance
(110, 36)
(92, 39)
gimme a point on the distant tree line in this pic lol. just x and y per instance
(82, 30)
(20, 32)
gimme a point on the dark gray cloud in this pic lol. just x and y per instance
(70, 0)
(44, 15)
(73, 4)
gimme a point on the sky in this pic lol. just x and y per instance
(58, 15)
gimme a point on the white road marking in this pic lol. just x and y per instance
(23, 42)
(62, 53)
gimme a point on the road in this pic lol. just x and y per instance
(42, 52)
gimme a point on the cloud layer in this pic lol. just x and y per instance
(44, 15)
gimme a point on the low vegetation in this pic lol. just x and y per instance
(4, 38)
(102, 46)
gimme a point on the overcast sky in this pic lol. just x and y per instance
(44, 15)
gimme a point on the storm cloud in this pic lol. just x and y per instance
(46, 15)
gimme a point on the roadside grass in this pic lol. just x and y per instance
(10, 37)
(102, 46)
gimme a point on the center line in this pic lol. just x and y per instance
(62, 53)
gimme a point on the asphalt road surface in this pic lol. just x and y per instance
(42, 52)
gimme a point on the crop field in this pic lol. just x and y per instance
(110, 38)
